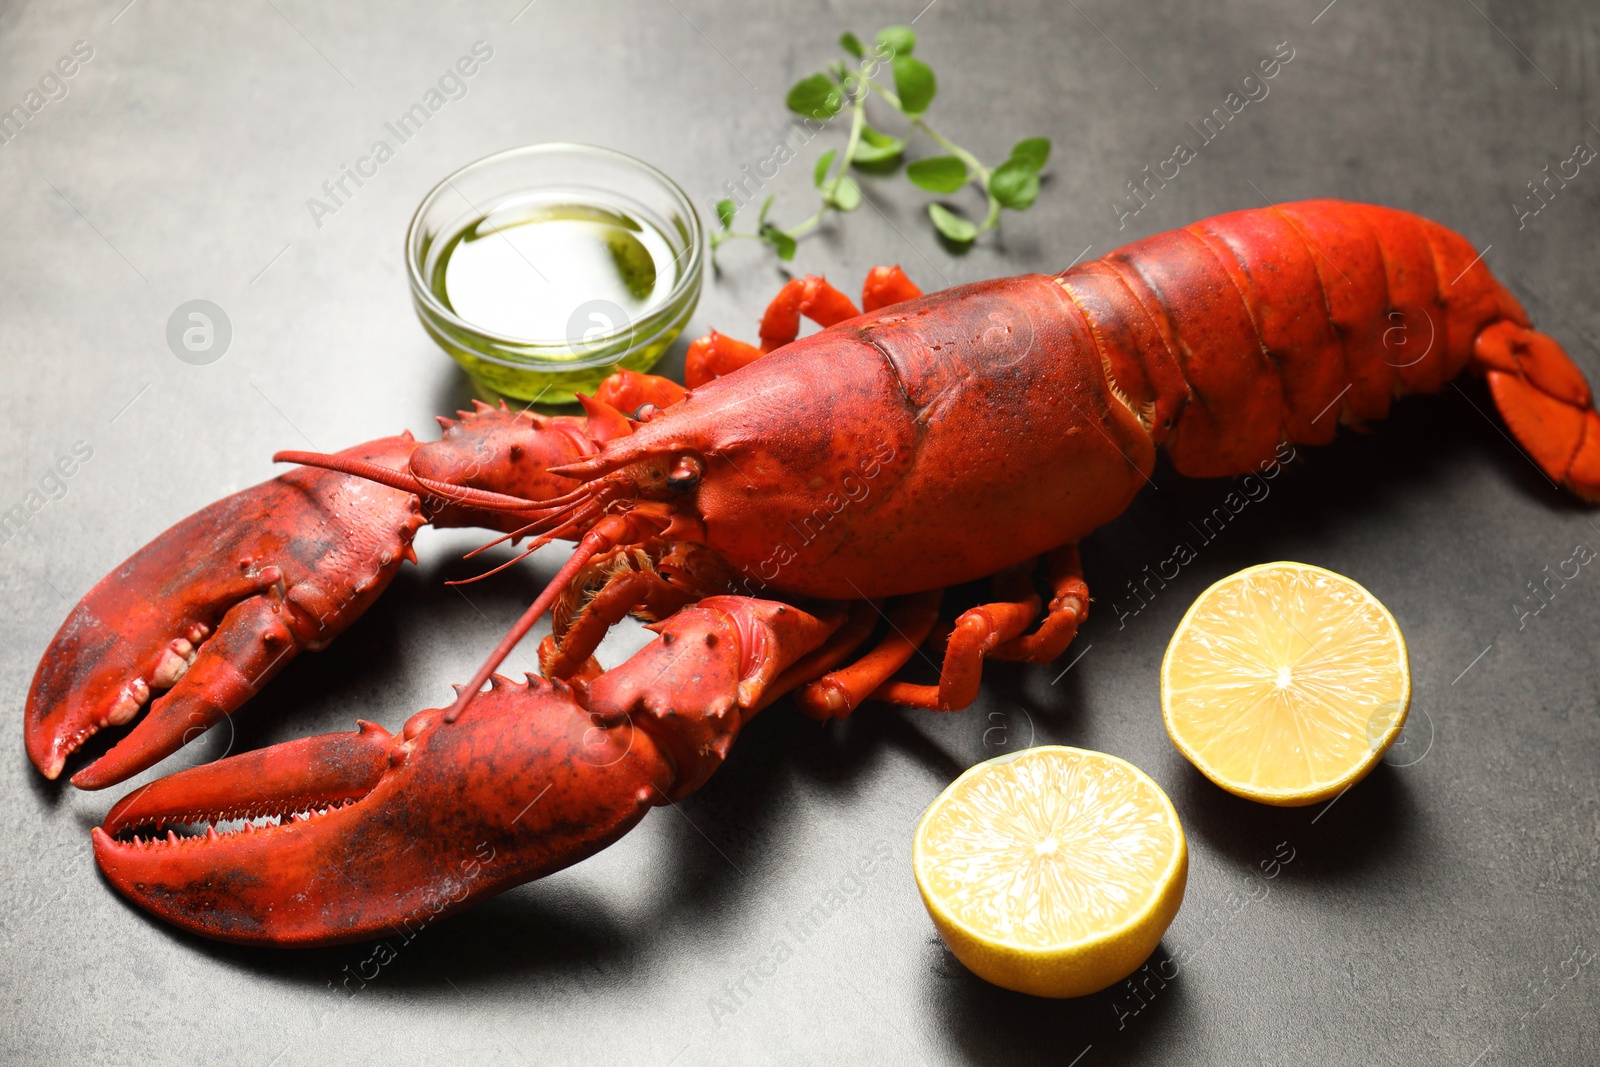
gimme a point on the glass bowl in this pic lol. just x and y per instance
(600, 335)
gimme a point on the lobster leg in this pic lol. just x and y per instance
(999, 631)
(613, 531)
(810, 296)
(573, 651)
(838, 693)
(989, 631)
(977, 633)
(716, 354)
(383, 834)
(886, 286)
(628, 391)
(858, 626)
(626, 589)
(650, 585)
(1069, 607)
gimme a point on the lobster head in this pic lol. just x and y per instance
(744, 466)
(924, 445)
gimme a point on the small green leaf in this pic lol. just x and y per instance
(725, 213)
(938, 174)
(899, 40)
(852, 44)
(1015, 184)
(845, 194)
(1032, 152)
(766, 206)
(877, 149)
(821, 171)
(914, 83)
(877, 138)
(781, 242)
(950, 224)
(877, 155)
(815, 97)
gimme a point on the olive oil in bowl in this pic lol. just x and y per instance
(554, 271)
(544, 269)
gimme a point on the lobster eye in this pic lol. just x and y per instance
(685, 473)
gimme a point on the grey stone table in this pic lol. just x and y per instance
(1443, 912)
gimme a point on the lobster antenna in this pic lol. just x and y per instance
(595, 494)
(479, 498)
(530, 550)
(518, 558)
(572, 496)
(503, 538)
(407, 482)
(562, 516)
(581, 555)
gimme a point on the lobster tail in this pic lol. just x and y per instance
(1546, 403)
(1239, 332)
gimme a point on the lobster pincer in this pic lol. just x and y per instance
(215, 606)
(356, 835)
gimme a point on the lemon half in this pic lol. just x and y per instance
(1052, 871)
(1285, 683)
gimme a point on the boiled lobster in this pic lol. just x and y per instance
(802, 497)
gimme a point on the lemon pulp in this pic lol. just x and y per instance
(1285, 683)
(1053, 871)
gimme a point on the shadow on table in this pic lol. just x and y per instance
(1366, 829)
(993, 1025)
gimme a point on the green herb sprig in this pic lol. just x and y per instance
(1010, 185)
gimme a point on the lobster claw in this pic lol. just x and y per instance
(213, 608)
(381, 833)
